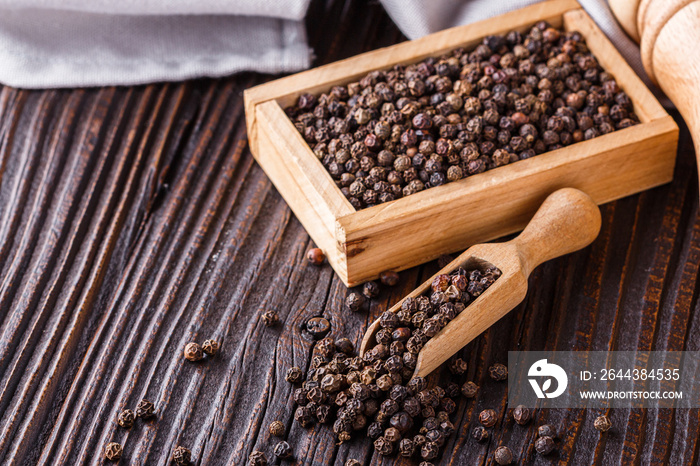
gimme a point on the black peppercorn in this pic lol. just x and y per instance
(544, 445)
(389, 320)
(370, 290)
(383, 446)
(503, 455)
(498, 372)
(448, 405)
(282, 450)
(303, 416)
(407, 448)
(375, 430)
(182, 456)
(276, 428)
(546, 430)
(193, 352)
(210, 347)
(126, 419)
(389, 278)
(113, 451)
(145, 409)
(480, 434)
(521, 414)
(429, 450)
(602, 423)
(488, 418)
(401, 421)
(345, 346)
(315, 256)
(354, 302)
(299, 396)
(294, 375)
(257, 458)
(270, 318)
(458, 366)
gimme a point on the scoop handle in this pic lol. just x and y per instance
(568, 220)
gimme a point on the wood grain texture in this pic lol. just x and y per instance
(133, 220)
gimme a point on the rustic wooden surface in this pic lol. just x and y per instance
(133, 220)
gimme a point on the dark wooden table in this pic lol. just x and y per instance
(134, 220)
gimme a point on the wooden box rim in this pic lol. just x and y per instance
(350, 225)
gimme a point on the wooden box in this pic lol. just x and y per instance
(417, 228)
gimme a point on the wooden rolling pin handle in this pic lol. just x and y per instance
(676, 63)
(567, 221)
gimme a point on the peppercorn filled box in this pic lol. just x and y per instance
(361, 239)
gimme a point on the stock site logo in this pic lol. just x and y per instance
(541, 374)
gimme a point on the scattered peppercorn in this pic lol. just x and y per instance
(345, 346)
(182, 456)
(193, 352)
(270, 318)
(276, 428)
(546, 430)
(370, 290)
(399, 131)
(210, 347)
(521, 414)
(113, 451)
(469, 389)
(389, 278)
(354, 301)
(602, 423)
(318, 327)
(377, 392)
(126, 419)
(145, 409)
(257, 458)
(503, 456)
(498, 372)
(294, 375)
(544, 445)
(316, 256)
(480, 434)
(488, 418)
(282, 450)
(458, 366)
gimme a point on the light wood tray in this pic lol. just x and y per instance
(415, 229)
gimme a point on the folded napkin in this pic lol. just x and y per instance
(71, 43)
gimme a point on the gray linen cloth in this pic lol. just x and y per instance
(70, 43)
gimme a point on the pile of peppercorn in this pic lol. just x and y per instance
(410, 128)
(377, 392)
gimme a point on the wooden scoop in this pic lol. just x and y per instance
(567, 221)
